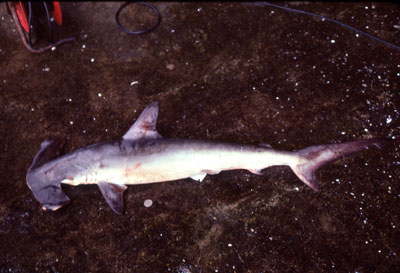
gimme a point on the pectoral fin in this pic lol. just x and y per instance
(113, 193)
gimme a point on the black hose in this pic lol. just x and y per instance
(325, 18)
(27, 44)
(30, 22)
(49, 34)
(138, 31)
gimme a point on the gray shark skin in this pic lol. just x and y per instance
(143, 156)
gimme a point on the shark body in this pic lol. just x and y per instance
(143, 156)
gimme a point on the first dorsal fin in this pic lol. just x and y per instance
(145, 125)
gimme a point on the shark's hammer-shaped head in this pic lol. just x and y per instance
(46, 190)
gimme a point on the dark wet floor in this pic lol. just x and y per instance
(227, 72)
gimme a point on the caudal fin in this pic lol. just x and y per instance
(314, 157)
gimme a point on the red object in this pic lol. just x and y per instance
(22, 16)
(56, 13)
(18, 11)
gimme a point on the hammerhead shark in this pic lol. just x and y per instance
(143, 156)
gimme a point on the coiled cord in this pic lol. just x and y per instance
(137, 32)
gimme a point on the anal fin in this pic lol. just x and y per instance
(258, 172)
(113, 194)
(198, 177)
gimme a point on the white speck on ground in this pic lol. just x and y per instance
(148, 203)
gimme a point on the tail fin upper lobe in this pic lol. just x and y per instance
(314, 157)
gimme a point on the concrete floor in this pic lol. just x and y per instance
(222, 71)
